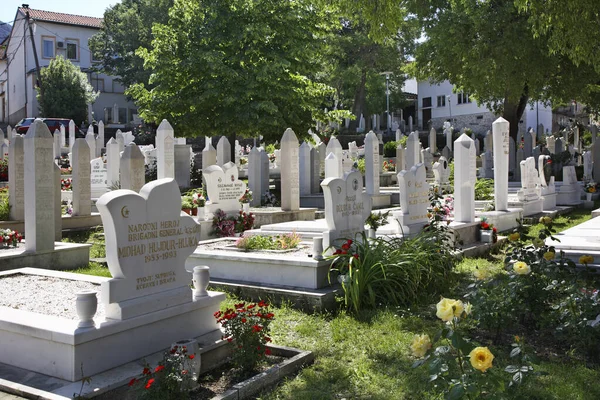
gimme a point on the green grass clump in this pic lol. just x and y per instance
(95, 269)
(4, 205)
(261, 242)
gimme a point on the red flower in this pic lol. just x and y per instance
(268, 339)
(244, 320)
(257, 328)
(268, 352)
(494, 230)
(346, 246)
(132, 382)
(485, 225)
(191, 356)
(251, 306)
(240, 305)
(159, 368)
(263, 304)
(146, 371)
(355, 256)
(269, 315)
(150, 382)
(230, 340)
(217, 314)
(184, 372)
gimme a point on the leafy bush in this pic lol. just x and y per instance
(392, 271)
(484, 189)
(4, 170)
(4, 204)
(260, 242)
(389, 149)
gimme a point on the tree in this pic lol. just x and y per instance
(243, 66)
(488, 50)
(66, 89)
(126, 27)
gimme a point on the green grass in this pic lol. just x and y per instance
(93, 268)
(563, 222)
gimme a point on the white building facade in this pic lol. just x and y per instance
(57, 34)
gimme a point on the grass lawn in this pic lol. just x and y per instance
(368, 356)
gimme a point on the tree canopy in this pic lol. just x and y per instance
(66, 91)
(487, 48)
(243, 66)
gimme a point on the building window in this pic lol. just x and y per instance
(73, 49)
(117, 87)
(426, 102)
(441, 101)
(48, 44)
(463, 98)
(97, 84)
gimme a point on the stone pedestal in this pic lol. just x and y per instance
(503, 220)
(531, 207)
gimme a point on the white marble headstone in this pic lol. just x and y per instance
(81, 189)
(465, 178)
(500, 135)
(529, 179)
(16, 174)
(99, 177)
(223, 188)
(414, 199)
(372, 166)
(133, 170)
(290, 170)
(165, 150)
(223, 151)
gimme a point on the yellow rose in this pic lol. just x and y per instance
(537, 242)
(585, 259)
(481, 274)
(448, 309)
(420, 345)
(468, 308)
(481, 358)
(513, 237)
(549, 255)
(521, 268)
(545, 220)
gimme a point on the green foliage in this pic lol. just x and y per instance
(377, 219)
(391, 271)
(225, 225)
(484, 189)
(260, 242)
(4, 205)
(360, 165)
(389, 149)
(186, 202)
(247, 328)
(66, 91)
(250, 64)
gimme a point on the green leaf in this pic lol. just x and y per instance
(516, 351)
(511, 369)
(457, 392)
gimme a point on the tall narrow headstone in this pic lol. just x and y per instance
(101, 143)
(587, 166)
(63, 137)
(81, 184)
(536, 153)
(488, 142)
(477, 147)
(315, 171)
(596, 159)
(322, 148)
(115, 114)
(133, 172)
(551, 144)
(265, 165)
(39, 188)
(255, 176)
(98, 178)
(57, 204)
(433, 140)
(372, 166)
(304, 167)
(530, 190)
(90, 138)
(528, 144)
(120, 140)
(182, 161)
(413, 153)
(290, 180)
(448, 134)
(165, 151)
(427, 159)
(576, 142)
(335, 147)
(16, 174)
(500, 132)
(209, 154)
(559, 146)
(487, 165)
(223, 151)
(56, 143)
(414, 199)
(71, 135)
(446, 153)
(400, 159)
(332, 167)
(410, 123)
(113, 162)
(464, 179)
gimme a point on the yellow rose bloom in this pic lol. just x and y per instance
(513, 237)
(448, 309)
(545, 220)
(549, 255)
(521, 268)
(420, 345)
(481, 358)
(585, 259)
(537, 242)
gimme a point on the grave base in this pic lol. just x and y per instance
(312, 201)
(549, 201)
(275, 215)
(503, 220)
(531, 207)
(68, 222)
(568, 198)
(588, 205)
(464, 233)
(381, 200)
(56, 347)
(277, 269)
(64, 256)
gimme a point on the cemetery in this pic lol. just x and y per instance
(280, 219)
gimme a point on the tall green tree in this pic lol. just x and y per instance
(126, 27)
(243, 66)
(66, 90)
(487, 48)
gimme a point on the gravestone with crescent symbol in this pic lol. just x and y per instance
(414, 199)
(223, 187)
(148, 239)
(346, 207)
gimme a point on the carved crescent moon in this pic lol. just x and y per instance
(124, 212)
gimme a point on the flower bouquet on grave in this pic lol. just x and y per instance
(272, 158)
(199, 199)
(66, 184)
(489, 234)
(590, 187)
(4, 170)
(246, 197)
(9, 238)
(389, 166)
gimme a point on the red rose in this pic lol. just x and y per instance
(150, 382)
(146, 371)
(192, 356)
(132, 382)
(159, 368)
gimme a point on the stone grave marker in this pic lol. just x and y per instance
(346, 208)
(412, 154)
(209, 154)
(400, 159)
(536, 153)
(441, 172)
(129, 138)
(332, 167)
(16, 175)
(99, 178)
(410, 123)
(90, 138)
(559, 146)
(477, 147)
(183, 159)
(304, 155)
(315, 171)
(71, 135)
(121, 140)
(165, 150)
(500, 132)
(100, 141)
(39, 184)
(290, 179)
(576, 142)
(596, 161)
(223, 151)
(487, 165)
(148, 240)
(551, 144)
(322, 148)
(4, 153)
(488, 142)
(465, 177)
(335, 147)
(56, 143)
(133, 171)
(63, 136)
(414, 199)
(588, 166)
(433, 140)
(113, 162)
(427, 159)
(57, 203)
(372, 166)
(529, 179)
(223, 188)
(255, 171)
(528, 144)
(446, 153)
(81, 187)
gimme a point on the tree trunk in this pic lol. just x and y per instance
(359, 102)
(231, 137)
(514, 111)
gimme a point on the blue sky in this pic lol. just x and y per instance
(94, 8)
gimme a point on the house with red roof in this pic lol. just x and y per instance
(56, 34)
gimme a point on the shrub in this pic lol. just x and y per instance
(484, 189)
(247, 328)
(4, 170)
(4, 204)
(224, 225)
(260, 242)
(389, 149)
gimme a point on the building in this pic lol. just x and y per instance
(438, 102)
(56, 34)
(4, 34)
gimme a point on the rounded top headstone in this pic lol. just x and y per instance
(38, 129)
(165, 126)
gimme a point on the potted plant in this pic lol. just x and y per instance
(488, 233)
(200, 202)
(245, 200)
(186, 204)
(375, 220)
(589, 189)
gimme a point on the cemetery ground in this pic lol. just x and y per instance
(368, 354)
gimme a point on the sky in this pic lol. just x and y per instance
(94, 8)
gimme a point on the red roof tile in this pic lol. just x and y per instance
(61, 18)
